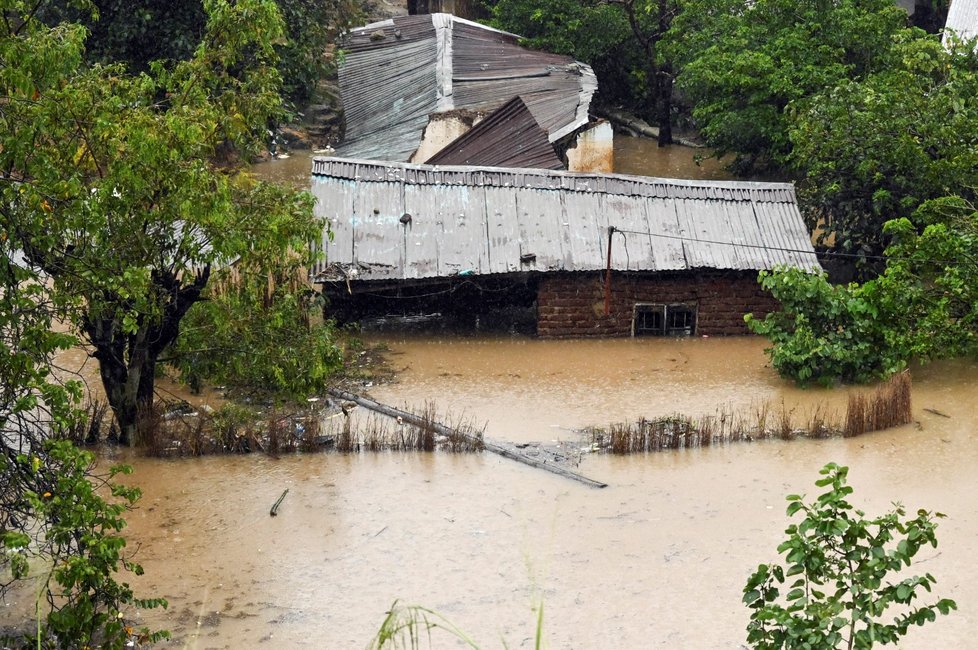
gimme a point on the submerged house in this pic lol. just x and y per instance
(588, 254)
(413, 84)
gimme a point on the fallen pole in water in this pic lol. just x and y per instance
(488, 445)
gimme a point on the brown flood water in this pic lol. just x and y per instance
(656, 560)
(637, 156)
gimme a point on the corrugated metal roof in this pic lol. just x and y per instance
(399, 71)
(403, 221)
(509, 137)
(962, 19)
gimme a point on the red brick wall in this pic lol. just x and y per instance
(572, 304)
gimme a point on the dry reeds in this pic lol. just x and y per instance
(376, 432)
(888, 406)
(165, 431)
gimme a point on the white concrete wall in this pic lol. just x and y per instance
(594, 150)
(439, 133)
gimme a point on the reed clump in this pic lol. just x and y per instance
(178, 430)
(421, 432)
(888, 406)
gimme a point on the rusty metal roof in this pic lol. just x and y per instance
(509, 137)
(404, 221)
(399, 71)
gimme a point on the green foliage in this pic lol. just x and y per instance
(839, 575)
(53, 518)
(876, 148)
(744, 64)
(137, 33)
(260, 330)
(80, 541)
(924, 306)
(932, 279)
(405, 626)
(127, 190)
(596, 33)
(584, 31)
(308, 55)
(826, 332)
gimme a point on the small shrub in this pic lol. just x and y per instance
(78, 536)
(841, 569)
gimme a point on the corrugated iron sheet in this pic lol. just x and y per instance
(403, 221)
(509, 137)
(399, 71)
(962, 19)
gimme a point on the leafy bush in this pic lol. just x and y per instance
(77, 541)
(924, 306)
(826, 332)
(261, 330)
(841, 562)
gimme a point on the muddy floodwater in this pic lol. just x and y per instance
(657, 559)
(637, 156)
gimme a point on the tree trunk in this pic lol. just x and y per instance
(118, 381)
(127, 362)
(659, 76)
(664, 106)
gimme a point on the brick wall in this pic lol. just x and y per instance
(572, 304)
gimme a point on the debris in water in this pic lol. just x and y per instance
(274, 511)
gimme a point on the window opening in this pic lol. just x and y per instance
(659, 319)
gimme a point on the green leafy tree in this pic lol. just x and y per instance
(619, 38)
(139, 32)
(73, 533)
(264, 311)
(745, 65)
(931, 280)
(875, 149)
(308, 53)
(124, 191)
(650, 21)
(584, 30)
(825, 332)
(843, 575)
(924, 306)
(55, 525)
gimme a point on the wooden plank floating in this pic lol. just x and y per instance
(500, 449)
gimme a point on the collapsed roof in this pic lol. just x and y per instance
(509, 137)
(399, 71)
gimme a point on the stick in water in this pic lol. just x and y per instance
(274, 511)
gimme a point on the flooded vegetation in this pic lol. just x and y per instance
(888, 406)
(250, 539)
(181, 430)
(483, 540)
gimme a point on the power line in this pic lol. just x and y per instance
(775, 248)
